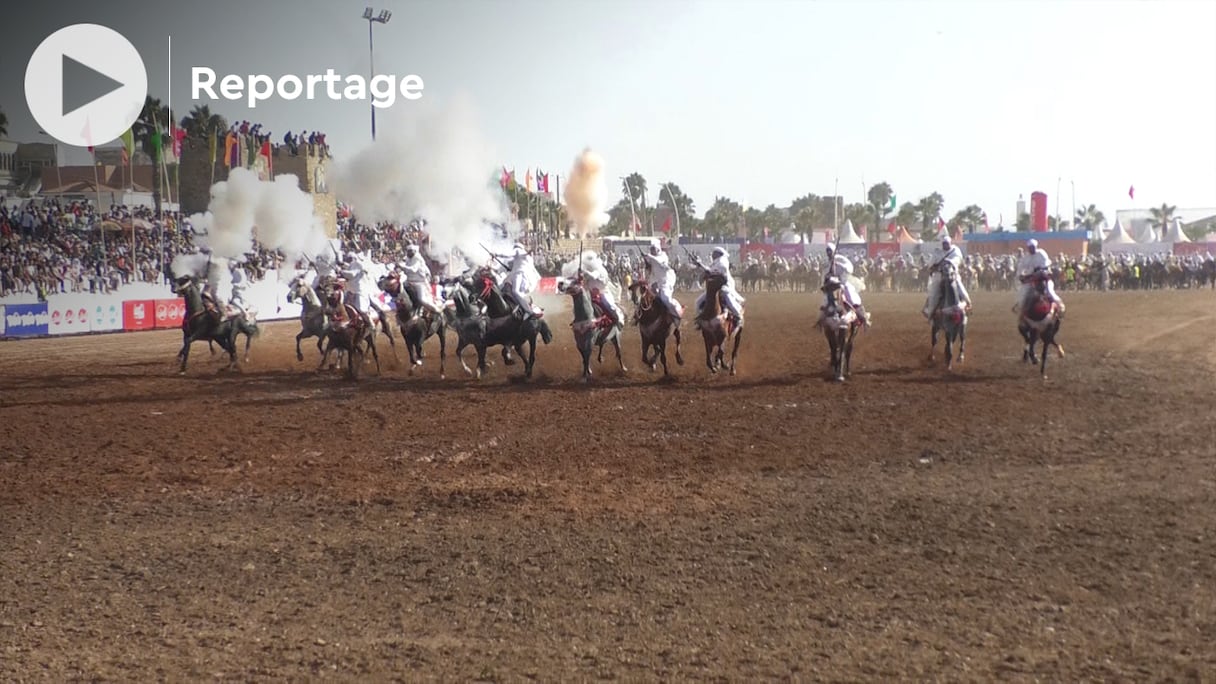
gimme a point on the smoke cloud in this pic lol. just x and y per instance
(278, 211)
(586, 192)
(433, 164)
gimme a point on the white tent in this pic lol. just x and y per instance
(849, 236)
(1118, 236)
(1145, 234)
(1175, 233)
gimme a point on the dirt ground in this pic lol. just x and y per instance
(910, 523)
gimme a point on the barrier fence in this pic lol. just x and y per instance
(147, 307)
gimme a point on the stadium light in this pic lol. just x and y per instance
(370, 15)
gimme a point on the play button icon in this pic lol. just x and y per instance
(82, 85)
(85, 85)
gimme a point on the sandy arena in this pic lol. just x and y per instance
(276, 524)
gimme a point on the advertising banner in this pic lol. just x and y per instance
(169, 313)
(105, 314)
(546, 286)
(68, 318)
(26, 320)
(890, 250)
(139, 314)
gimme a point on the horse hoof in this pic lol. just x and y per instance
(299, 357)
(653, 367)
(732, 371)
(411, 370)
(442, 376)
(1060, 351)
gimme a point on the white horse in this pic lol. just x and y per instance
(313, 321)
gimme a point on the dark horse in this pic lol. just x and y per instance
(352, 332)
(503, 324)
(840, 324)
(949, 317)
(205, 321)
(416, 323)
(592, 327)
(1040, 320)
(717, 327)
(655, 323)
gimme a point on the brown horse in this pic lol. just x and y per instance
(1040, 320)
(655, 323)
(415, 323)
(350, 332)
(717, 327)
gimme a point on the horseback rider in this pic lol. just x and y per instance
(720, 265)
(336, 303)
(1034, 264)
(951, 255)
(520, 280)
(841, 268)
(663, 279)
(598, 282)
(325, 270)
(240, 282)
(358, 291)
(418, 279)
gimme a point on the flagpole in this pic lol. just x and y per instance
(836, 207)
(97, 187)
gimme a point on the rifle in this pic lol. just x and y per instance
(693, 258)
(494, 256)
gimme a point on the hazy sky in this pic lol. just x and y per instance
(757, 100)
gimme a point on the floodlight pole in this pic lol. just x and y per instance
(382, 18)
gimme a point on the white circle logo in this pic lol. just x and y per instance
(85, 85)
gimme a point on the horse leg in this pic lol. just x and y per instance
(932, 340)
(709, 355)
(460, 345)
(848, 352)
(506, 355)
(679, 354)
(443, 352)
(616, 344)
(661, 352)
(734, 353)
(299, 353)
(962, 342)
(949, 350)
(648, 361)
(184, 354)
(371, 344)
(532, 356)
(481, 359)
(248, 341)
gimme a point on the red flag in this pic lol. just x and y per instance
(1131, 192)
(178, 136)
(265, 152)
(125, 159)
(506, 178)
(87, 132)
(667, 226)
(892, 228)
(940, 223)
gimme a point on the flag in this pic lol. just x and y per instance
(506, 178)
(528, 180)
(542, 181)
(1131, 192)
(891, 204)
(941, 223)
(87, 134)
(986, 228)
(667, 226)
(892, 228)
(232, 151)
(211, 145)
(637, 225)
(128, 145)
(156, 145)
(176, 136)
(265, 152)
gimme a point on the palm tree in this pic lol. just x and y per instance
(684, 206)
(880, 197)
(634, 188)
(723, 218)
(907, 214)
(1089, 218)
(201, 123)
(929, 209)
(3, 124)
(967, 219)
(151, 126)
(1162, 217)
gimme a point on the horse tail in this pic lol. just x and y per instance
(545, 333)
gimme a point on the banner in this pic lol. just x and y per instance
(26, 320)
(106, 315)
(169, 313)
(139, 315)
(547, 286)
(69, 318)
(890, 250)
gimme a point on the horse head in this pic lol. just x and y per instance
(183, 285)
(714, 282)
(390, 283)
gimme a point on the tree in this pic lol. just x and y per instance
(881, 197)
(1055, 224)
(967, 219)
(1023, 224)
(1089, 218)
(859, 214)
(1162, 217)
(201, 123)
(808, 217)
(908, 214)
(723, 218)
(3, 124)
(1199, 232)
(619, 218)
(634, 188)
(684, 207)
(929, 208)
(774, 220)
